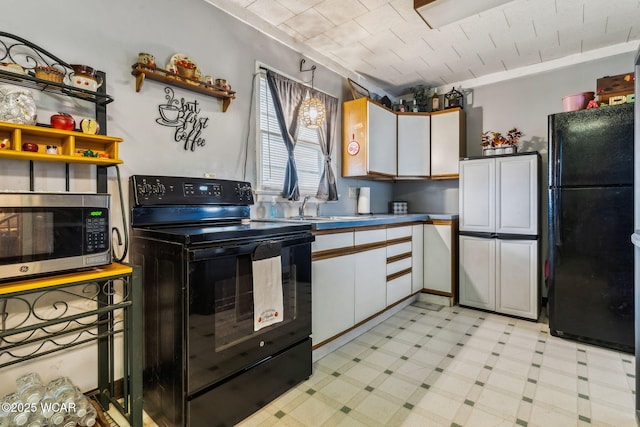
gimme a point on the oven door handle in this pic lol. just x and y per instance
(239, 248)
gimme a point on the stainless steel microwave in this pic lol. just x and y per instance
(46, 233)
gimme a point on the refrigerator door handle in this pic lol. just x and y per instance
(557, 212)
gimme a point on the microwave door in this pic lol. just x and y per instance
(41, 233)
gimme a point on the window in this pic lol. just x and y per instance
(272, 153)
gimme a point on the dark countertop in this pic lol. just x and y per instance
(349, 221)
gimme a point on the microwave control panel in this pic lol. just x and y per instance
(96, 226)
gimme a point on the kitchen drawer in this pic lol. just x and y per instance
(398, 232)
(399, 265)
(398, 288)
(370, 236)
(325, 242)
(400, 248)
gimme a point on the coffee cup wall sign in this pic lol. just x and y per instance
(185, 117)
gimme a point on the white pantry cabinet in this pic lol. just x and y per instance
(500, 195)
(500, 275)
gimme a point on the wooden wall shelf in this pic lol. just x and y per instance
(70, 145)
(141, 71)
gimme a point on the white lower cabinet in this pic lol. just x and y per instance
(500, 275)
(370, 283)
(477, 272)
(517, 277)
(356, 275)
(333, 297)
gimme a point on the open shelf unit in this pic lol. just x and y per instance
(71, 145)
(140, 71)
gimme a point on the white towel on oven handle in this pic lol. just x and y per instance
(268, 303)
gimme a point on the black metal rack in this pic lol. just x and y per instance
(36, 319)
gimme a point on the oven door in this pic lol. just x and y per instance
(222, 340)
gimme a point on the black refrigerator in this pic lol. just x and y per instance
(591, 280)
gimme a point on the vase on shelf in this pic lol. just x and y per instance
(510, 149)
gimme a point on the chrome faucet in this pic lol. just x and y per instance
(303, 205)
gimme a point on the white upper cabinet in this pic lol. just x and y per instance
(382, 140)
(517, 195)
(448, 142)
(414, 145)
(380, 144)
(477, 195)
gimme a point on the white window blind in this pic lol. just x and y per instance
(272, 153)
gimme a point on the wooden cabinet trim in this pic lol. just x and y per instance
(401, 273)
(399, 257)
(399, 240)
(338, 252)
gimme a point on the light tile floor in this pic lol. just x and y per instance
(460, 367)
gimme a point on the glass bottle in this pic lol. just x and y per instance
(435, 100)
(16, 410)
(89, 419)
(30, 388)
(36, 419)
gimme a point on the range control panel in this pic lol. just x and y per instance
(149, 190)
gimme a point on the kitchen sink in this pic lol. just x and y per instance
(331, 218)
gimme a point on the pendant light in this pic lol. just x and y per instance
(312, 109)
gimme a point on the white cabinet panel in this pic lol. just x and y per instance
(398, 288)
(398, 232)
(370, 236)
(477, 195)
(448, 135)
(397, 266)
(398, 249)
(414, 147)
(517, 277)
(324, 242)
(477, 272)
(417, 249)
(517, 195)
(332, 296)
(370, 283)
(437, 257)
(382, 140)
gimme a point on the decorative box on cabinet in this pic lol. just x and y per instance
(111, 306)
(368, 140)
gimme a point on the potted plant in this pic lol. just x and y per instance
(496, 143)
(420, 96)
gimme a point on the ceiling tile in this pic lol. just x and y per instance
(379, 19)
(374, 4)
(309, 23)
(347, 33)
(340, 11)
(270, 11)
(297, 6)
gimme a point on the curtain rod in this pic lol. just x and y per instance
(264, 67)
